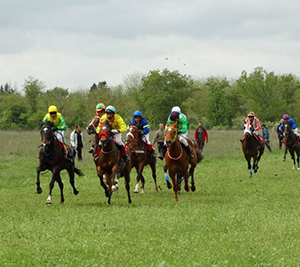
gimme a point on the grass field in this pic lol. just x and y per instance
(230, 220)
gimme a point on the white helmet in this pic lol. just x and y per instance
(176, 109)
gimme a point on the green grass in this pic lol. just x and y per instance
(230, 220)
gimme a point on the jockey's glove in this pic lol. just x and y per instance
(251, 129)
(114, 131)
(55, 128)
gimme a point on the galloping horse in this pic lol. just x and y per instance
(140, 157)
(52, 158)
(108, 162)
(177, 160)
(291, 143)
(252, 149)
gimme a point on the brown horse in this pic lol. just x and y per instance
(92, 127)
(177, 160)
(140, 157)
(252, 149)
(291, 144)
(108, 162)
(52, 158)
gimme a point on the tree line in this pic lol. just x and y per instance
(218, 102)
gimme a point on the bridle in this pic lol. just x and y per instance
(93, 124)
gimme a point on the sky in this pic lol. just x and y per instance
(73, 44)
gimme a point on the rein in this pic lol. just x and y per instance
(92, 123)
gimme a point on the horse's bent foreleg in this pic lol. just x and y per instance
(100, 175)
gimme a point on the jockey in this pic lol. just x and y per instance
(178, 110)
(181, 123)
(252, 124)
(118, 127)
(292, 123)
(60, 126)
(100, 110)
(143, 128)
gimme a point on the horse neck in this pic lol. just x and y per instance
(250, 141)
(290, 138)
(175, 147)
(110, 145)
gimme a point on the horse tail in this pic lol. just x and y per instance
(78, 172)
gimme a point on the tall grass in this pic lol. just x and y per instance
(230, 220)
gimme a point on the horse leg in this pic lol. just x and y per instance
(153, 169)
(191, 174)
(297, 151)
(255, 167)
(179, 179)
(284, 156)
(167, 177)
(249, 165)
(61, 186)
(293, 158)
(172, 175)
(100, 175)
(109, 185)
(127, 170)
(143, 184)
(139, 170)
(51, 185)
(38, 188)
(70, 171)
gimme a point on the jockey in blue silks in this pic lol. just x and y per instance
(292, 123)
(144, 129)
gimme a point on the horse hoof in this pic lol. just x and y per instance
(251, 174)
(169, 185)
(283, 160)
(39, 191)
(76, 192)
(193, 188)
(115, 188)
(48, 202)
(142, 192)
(136, 191)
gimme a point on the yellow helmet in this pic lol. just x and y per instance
(52, 109)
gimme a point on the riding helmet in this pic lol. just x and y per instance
(52, 109)
(251, 114)
(286, 117)
(110, 109)
(137, 113)
(176, 109)
(100, 107)
(174, 116)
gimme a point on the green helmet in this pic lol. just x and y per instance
(100, 107)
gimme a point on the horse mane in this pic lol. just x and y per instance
(106, 123)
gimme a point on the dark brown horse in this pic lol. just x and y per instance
(177, 160)
(52, 158)
(108, 162)
(140, 157)
(252, 149)
(291, 143)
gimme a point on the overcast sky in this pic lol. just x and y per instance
(72, 43)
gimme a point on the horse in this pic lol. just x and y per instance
(108, 162)
(51, 157)
(291, 143)
(252, 149)
(140, 157)
(178, 161)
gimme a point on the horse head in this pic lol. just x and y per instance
(287, 129)
(132, 134)
(47, 133)
(105, 134)
(92, 127)
(171, 134)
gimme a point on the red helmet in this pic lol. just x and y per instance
(174, 116)
(286, 117)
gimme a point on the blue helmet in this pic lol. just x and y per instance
(137, 113)
(110, 109)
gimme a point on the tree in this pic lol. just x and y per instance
(160, 91)
(33, 88)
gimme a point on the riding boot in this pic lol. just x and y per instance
(189, 151)
(95, 150)
(68, 153)
(91, 149)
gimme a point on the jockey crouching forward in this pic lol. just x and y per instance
(143, 127)
(59, 126)
(252, 125)
(181, 124)
(118, 127)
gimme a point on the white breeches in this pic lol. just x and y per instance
(118, 139)
(59, 135)
(182, 139)
(146, 139)
(295, 131)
